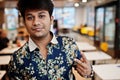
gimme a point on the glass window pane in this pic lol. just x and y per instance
(68, 19)
(11, 18)
(65, 16)
(57, 13)
(110, 26)
(99, 23)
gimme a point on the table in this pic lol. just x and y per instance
(97, 55)
(84, 46)
(8, 51)
(108, 71)
(4, 60)
(2, 73)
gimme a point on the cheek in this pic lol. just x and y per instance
(27, 23)
(28, 26)
(47, 24)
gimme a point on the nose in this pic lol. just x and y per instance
(36, 22)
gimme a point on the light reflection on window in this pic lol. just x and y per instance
(11, 18)
(65, 16)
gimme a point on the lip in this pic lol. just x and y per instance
(37, 29)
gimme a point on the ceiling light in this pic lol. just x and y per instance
(84, 0)
(76, 4)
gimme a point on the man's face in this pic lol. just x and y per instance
(38, 23)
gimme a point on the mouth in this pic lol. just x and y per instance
(37, 29)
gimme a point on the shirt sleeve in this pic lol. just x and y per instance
(77, 53)
(13, 71)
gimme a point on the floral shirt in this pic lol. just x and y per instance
(27, 63)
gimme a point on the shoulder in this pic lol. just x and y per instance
(18, 58)
(67, 42)
(21, 52)
(65, 38)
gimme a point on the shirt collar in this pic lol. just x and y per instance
(33, 46)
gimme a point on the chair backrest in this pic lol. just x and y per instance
(104, 46)
(84, 30)
(91, 33)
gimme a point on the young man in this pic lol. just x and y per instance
(45, 56)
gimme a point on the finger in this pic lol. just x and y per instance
(82, 60)
(81, 71)
(81, 67)
(79, 62)
(84, 57)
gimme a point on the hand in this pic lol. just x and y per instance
(83, 66)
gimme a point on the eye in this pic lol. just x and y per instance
(41, 16)
(29, 17)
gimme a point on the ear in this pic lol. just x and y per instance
(52, 19)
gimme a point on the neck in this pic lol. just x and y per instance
(42, 44)
(43, 41)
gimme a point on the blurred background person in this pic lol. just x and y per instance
(55, 26)
(4, 41)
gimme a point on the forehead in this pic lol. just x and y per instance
(32, 12)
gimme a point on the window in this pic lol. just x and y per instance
(11, 15)
(65, 16)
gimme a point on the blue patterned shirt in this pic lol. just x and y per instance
(28, 64)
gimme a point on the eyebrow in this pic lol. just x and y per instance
(38, 13)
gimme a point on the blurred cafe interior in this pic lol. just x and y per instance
(94, 24)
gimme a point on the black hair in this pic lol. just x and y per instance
(24, 5)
